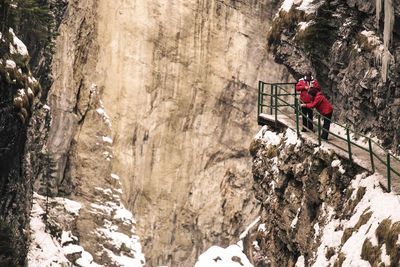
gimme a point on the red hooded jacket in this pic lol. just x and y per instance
(301, 86)
(321, 104)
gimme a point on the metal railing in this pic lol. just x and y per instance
(281, 98)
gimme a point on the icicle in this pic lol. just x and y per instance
(389, 22)
(378, 10)
(387, 37)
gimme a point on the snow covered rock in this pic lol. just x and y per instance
(319, 209)
(231, 256)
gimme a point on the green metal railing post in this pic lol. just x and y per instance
(272, 99)
(296, 106)
(349, 144)
(371, 155)
(389, 178)
(319, 129)
(295, 97)
(276, 107)
(259, 98)
(262, 97)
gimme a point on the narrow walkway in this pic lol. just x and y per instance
(360, 157)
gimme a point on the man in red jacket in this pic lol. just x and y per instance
(322, 105)
(303, 86)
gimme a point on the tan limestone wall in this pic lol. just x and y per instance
(177, 79)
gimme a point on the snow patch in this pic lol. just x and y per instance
(296, 219)
(10, 64)
(271, 137)
(72, 206)
(114, 176)
(384, 256)
(304, 25)
(255, 245)
(101, 208)
(21, 48)
(44, 250)
(308, 6)
(124, 215)
(119, 239)
(86, 260)
(382, 205)
(101, 111)
(67, 237)
(32, 79)
(244, 234)
(287, 5)
(331, 237)
(291, 137)
(316, 230)
(72, 249)
(107, 139)
(338, 164)
(300, 262)
(125, 261)
(372, 38)
(231, 256)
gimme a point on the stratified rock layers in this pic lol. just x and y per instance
(176, 79)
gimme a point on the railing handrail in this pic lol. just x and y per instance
(340, 125)
(345, 127)
(274, 105)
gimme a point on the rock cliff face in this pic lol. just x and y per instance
(174, 83)
(17, 96)
(353, 48)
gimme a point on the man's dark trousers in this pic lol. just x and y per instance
(307, 118)
(327, 124)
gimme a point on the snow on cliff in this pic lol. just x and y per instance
(380, 205)
(53, 224)
(231, 256)
(368, 234)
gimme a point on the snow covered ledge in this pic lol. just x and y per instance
(231, 256)
(54, 241)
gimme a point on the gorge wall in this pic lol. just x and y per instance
(160, 93)
(353, 49)
(152, 108)
(318, 209)
(18, 89)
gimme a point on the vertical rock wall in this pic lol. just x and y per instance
(177, 80)
(353, 48)
(318, 209)
(17, 95)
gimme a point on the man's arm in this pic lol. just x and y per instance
(316, 101)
